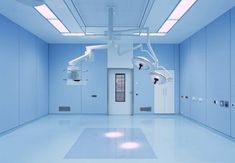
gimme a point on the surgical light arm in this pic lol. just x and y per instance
(87, 54)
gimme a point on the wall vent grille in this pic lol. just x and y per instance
(64, 109)
(146, 109)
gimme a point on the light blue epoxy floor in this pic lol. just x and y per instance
(173, 139)
(111, 143)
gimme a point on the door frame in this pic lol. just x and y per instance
(132, 87)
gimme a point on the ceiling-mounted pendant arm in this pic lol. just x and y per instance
(153, 54)
(87, 54)
(78, 59)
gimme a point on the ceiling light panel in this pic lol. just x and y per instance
(74, 34)
(45, 12)
(181, 9)
(50, 16)
(59, 26)
(166, 27)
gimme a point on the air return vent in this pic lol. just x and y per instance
(64, 108)
(146, 109)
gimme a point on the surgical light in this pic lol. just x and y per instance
(157, 77)
(142, 63)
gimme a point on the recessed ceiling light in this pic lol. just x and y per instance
(73, 34)
(59, 26)
(166, 27)
(181, 9)
(45, 12)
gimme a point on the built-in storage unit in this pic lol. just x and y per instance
(164, 96)
(233, 73)
(207, 75)
(24, 76)
(218, 74)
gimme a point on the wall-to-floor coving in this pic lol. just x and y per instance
(207, 75)
(24, 76)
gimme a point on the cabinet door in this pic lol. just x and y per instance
(159, 98)
(198, 76)
(233, 73)
(218, 73)
(184, 78)
(164, 96)
(169, 95)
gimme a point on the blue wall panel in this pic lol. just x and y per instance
(78, 98)
(233, 72)
(218, 66)
(198, 76)
(23, 65)
(28, 89)
(185, 78)
(42, 77)
(61, 94)
(211, 65)
(9, 70)
(96, 85)
(168, 55)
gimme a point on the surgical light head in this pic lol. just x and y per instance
(157, 77)
(142, 63)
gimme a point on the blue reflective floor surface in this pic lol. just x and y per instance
(116, 139)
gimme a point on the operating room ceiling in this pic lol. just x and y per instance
(91, 16)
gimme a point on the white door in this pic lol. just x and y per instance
(120, 92)
(164, 97)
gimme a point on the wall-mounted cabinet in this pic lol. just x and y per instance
(218, 74)
(185, 78)
(164, 96)
(233, 73)
(207, 77)
(24, 80)
(198, 76)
